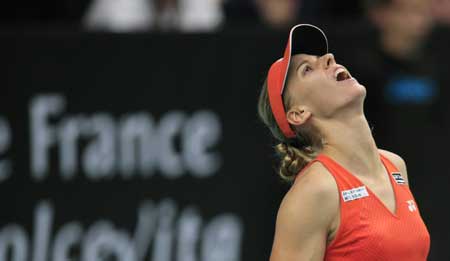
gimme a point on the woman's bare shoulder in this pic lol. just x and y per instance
(316, 179)
(313, 188)
(398, 161)
(305, 216)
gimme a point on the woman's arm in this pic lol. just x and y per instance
(305, 217)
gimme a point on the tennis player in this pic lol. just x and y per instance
(349, 200)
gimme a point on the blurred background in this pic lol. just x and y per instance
(128, 129)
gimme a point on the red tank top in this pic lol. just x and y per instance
(368, 230)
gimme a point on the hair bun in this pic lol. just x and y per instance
(292, 160)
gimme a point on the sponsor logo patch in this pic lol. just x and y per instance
(354, 193)
(398, 178)
(411, 205)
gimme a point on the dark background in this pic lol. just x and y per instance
(221, 72)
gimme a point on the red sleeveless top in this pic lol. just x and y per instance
(368, 230)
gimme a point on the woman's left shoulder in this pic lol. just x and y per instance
(397, 161)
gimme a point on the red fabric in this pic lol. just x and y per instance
(276, 77)
(275, 83)
(368, 230)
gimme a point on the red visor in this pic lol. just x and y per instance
(303, 38)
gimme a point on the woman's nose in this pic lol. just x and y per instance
(328, 60)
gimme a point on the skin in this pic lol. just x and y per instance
(304, 230)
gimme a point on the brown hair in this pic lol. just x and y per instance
(294, 153)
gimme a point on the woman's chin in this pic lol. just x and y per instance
(360, 90)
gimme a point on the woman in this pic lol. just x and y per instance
(349, 200)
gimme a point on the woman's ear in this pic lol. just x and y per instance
(298, 115)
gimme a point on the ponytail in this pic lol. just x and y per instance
(292, 160)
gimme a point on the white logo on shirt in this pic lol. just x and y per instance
(398, 178)
(411, 205)
(354, 193)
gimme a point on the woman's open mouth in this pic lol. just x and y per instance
(341, 75)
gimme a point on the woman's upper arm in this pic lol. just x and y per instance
(305, 216)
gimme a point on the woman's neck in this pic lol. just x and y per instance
(351, 143)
